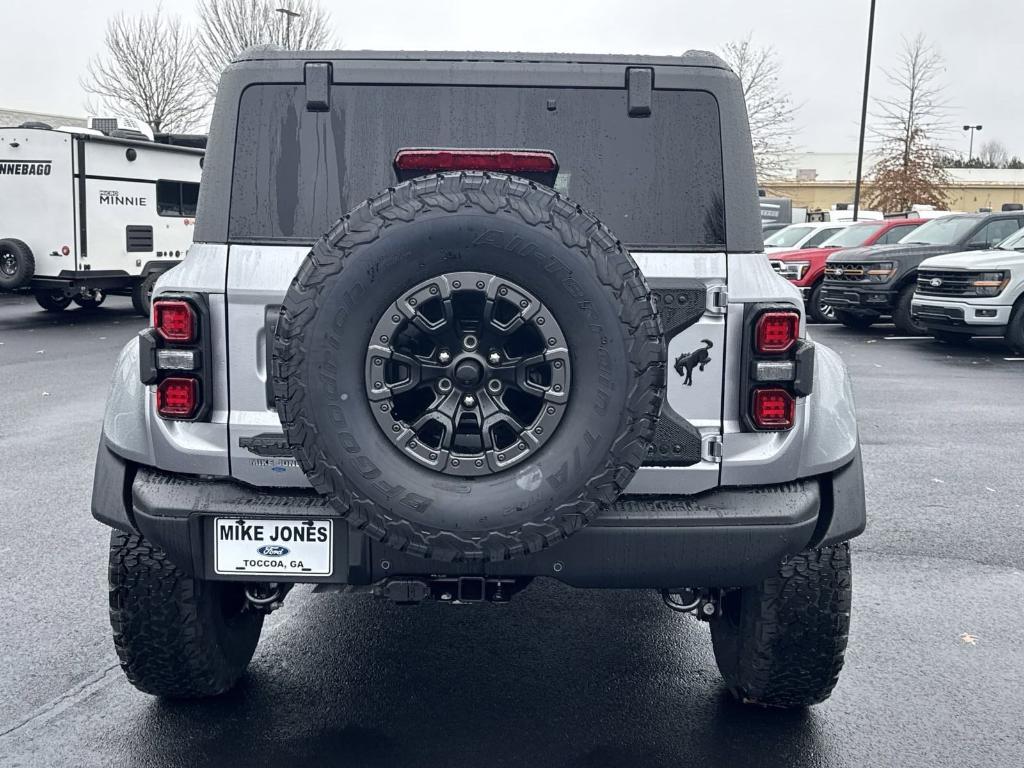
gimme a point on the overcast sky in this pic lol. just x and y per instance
(820, 44)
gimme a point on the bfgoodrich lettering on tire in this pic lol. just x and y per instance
(468, 366)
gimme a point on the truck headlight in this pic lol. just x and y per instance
(880, 272)
(792, 270)
(990, 283)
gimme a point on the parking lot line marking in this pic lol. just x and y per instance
(1018, 359)
(907, 338)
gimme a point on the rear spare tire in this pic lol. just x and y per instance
(468, 366)
(17, 264)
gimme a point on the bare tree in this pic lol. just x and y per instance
(770, 107)
(228, 27)
(908, 128)
(993, 154)
(148, 71)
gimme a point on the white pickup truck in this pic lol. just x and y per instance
(974, 293)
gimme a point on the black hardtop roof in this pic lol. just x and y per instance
(693, 58)
(271, 66)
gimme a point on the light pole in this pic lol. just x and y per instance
(289, 14)
(970, 149)
(864, 112)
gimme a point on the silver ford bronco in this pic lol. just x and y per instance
(455, 321)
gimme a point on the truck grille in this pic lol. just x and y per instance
(845, 273)
(946, 282)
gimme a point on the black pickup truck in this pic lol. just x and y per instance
(863, 284)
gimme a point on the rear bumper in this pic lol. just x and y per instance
(725, 537)
(858, 297)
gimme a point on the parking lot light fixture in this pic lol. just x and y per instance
(970, 147)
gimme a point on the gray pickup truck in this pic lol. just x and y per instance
(455, 321)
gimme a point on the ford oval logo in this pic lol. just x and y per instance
(935, 282)
(273, 550)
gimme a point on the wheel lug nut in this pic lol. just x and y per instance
(444, 357)
(469, 342)
(494, 385)
(444, 385)
(469, 401)
(494, 358)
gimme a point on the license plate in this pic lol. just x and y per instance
(273, 547)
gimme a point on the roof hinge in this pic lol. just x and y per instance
(639, 84)
(318, 86)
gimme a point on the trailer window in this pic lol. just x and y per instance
(176, 198)
(656, 181)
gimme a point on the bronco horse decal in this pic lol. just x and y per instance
(699, 358)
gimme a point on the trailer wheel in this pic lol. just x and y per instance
(17, 264)
(52, 301)
(142, 293)
(90, 300)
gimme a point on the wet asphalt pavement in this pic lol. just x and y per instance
(934, 673)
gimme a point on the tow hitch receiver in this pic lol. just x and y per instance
(449, 589)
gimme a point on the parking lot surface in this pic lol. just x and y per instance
(934, 672)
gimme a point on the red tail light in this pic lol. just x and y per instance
(500, 160)
(776, 331)
(175, 320)
(177, 397)
(773, 409)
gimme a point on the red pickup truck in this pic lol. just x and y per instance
(805, 268)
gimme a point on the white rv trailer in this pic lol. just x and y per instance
(83, 214)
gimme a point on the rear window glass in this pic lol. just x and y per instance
(656, 181)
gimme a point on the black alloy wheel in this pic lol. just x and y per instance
(468, 373)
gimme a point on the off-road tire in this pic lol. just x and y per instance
(142, 293)
(781, 643)
(176, 636)
(855, 320)
(371, 483)
(19, 255)
(814, 306)
(88, 302)
(52, 301)
(905, 322)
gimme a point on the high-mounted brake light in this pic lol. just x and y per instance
(773, 409)
(177, 397)
(174, 320)
(776, 331)
(499, 160)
